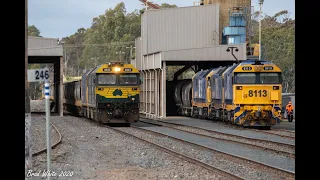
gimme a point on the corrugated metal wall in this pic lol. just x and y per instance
(180, 28)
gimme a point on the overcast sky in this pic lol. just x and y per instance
(61, 18)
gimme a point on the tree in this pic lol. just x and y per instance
(278, 44)
(33, 31)
(73, 51)
(111, 32)
(165, 5)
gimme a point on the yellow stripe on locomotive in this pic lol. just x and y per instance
(128, 84)
(112, 93)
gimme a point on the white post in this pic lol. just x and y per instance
(260, 14)
(48, 127)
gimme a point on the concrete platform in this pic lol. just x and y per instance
(285, 124)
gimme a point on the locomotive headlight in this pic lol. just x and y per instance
(132, 99)
(117, 69)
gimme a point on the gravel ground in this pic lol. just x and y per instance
(242, 150)
(242, 168)
(283, 133)
(38, 134)
(259, 143)
(230, 129)
(284, 124)
(38, 106)
(91, 151)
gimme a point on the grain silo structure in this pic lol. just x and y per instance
(184, 36)
(225, 7)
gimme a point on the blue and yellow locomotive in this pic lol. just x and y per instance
(246, 94)
(108, 93)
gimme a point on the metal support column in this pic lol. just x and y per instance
(150, 92)
(61, 87)
(156, 90)
(163, 89)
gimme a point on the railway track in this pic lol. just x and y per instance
(277, 132)
(258, 143)
(254, 166)
(280, 132)
(53, 145)
(181, 156)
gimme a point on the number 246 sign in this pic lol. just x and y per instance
(36, 75)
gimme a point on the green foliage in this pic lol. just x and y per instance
(116, 30)
(110, 33)
(33, 31)
(165, 5)
(278, 44)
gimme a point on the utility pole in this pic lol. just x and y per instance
(28, 156)
(131, 51)
(260, 14)
(120, 52)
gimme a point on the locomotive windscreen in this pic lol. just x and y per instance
(257, 78)
(107, 79)
(116, 79)
(128, 79)
(270, 78)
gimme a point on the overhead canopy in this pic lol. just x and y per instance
(40, 46)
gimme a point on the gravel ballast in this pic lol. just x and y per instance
(259, 143)
(91, 151)
(230, 129)
(39, 136)
(236, 166)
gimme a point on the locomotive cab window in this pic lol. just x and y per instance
(128, 79)
(245, 78)
(257, 78)
(107, 79)
(270, 78)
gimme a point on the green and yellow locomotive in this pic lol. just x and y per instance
(109, 94)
